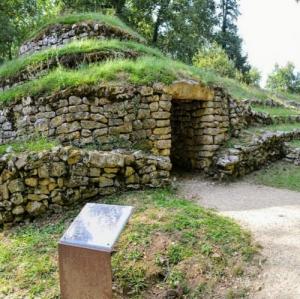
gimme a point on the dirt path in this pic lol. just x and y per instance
(273, 215)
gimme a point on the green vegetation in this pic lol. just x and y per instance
(214, 58)
(144, 70)
(284, 79)
(280, 127)
(84, 17)
(34, 145)
(294, 143)
(280, 175)
(276, 111)
(170, 243)
(11, 68)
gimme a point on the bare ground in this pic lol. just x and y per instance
(273, 216)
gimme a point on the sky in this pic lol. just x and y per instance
(271, 33)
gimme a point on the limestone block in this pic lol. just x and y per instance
(105, 182)
(16, 185)
(19, 210)
(163, 144)
(35, 208)
(165, 105)
(162, 131)
(161, 115)
(73, 101)
(31, 182)
(154, 106)
(57, 121)
(57, 169)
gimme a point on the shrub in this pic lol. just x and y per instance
(214, 58)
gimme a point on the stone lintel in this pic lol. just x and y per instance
(188, 90)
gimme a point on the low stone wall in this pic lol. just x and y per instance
(33, 183)
(60, 34)
(198, 131)
(292, 155)
(241, 160)
(106, 116)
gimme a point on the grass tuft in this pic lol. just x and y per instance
(34, 145)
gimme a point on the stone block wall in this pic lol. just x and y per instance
(110, 117)
(33, 183)
(241, 160)
(199, 128)
(60, 34)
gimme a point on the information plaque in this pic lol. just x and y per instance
(85, 251)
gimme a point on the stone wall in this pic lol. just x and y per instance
(199, 128)
(33, 183)
(292, 155)
(60, 34)
(106, 116)
(241, 160)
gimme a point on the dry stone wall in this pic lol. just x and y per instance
(33, 183)
(60, 34)
(241, 160)
(109, 117)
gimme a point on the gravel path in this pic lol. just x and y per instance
(273, 216)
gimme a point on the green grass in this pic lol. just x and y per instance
(276, 111)
(84, 17)
(295, 143)
(11, 68)
(34, 145)
(145, 70)
(169, 243)
(279, 127)
(280, 175)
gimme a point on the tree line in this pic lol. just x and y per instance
(202, 32)
(177, 27)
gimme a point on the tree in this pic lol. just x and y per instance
(252, 77)
(284, 79)
(16, 17)
(228, 36)
(178, 27)
(214, 58)
(94, 5)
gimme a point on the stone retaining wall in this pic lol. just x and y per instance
(106, 116)
(33, 183)
(60, 34)
(238, 161)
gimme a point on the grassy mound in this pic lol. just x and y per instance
(84, 17)
(170, 244)
(12, 68)
(145, 70)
